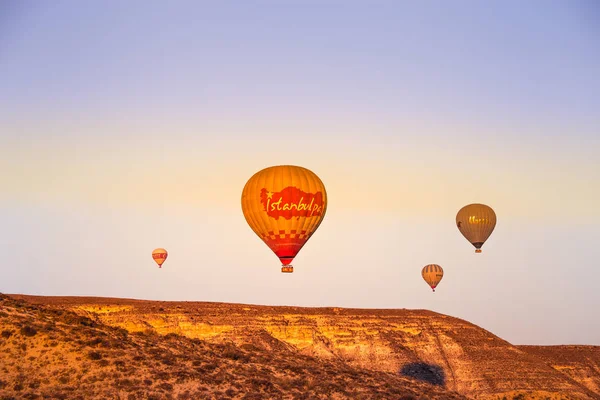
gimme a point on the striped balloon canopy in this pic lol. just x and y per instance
(476, 222)
(432, 274)
(284, 205)
(160, 256)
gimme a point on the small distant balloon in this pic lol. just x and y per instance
(284, 205)
(432, 274)
(160, 256)
(476, 222)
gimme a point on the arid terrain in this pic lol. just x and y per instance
(104, 348)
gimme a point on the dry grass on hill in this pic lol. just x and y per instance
(57, 354)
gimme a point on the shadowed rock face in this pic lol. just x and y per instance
(425, 346)
(433, 374)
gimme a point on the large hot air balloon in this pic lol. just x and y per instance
(284, 205)
(432, 274)
(476, 222)
(159, 255)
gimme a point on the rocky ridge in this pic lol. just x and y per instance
(439, 350)
(54, 353)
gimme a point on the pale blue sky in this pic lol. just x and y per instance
(406, 110)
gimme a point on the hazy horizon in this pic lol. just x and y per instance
(130, 126)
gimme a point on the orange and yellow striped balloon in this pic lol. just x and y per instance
(284, 205)
(476, 222)
(159, 255)
(432, 274)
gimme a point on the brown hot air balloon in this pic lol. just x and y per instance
(284, 205)
(159, 255)
(432, 274)
(476, 222)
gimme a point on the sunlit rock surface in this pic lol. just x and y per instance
(434, 350)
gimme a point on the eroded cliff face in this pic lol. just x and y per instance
(57, 354)
(579, 363)
(426, 346)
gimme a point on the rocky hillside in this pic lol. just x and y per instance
(435, 351)
(53, 353)
(579, 363)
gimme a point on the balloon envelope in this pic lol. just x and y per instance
(432, 274)
(159, 255)
(284, 205)
(476, 222)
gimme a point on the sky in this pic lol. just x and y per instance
(126, 126)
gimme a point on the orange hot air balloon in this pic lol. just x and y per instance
(476, 222)
(284, 206)
(432, 274)
(160, 256)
